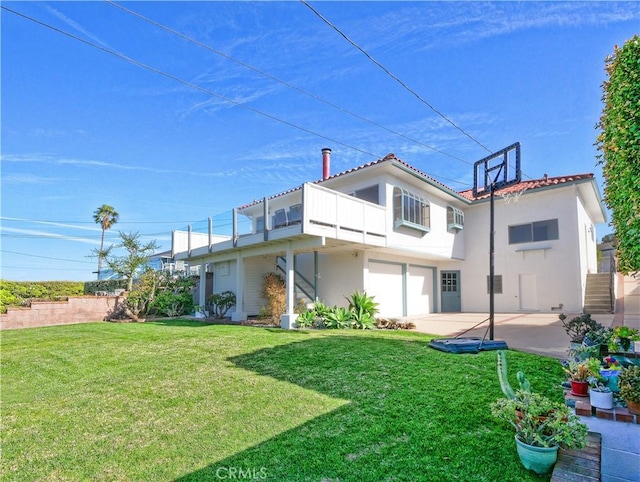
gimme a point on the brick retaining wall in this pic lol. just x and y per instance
(80, 309)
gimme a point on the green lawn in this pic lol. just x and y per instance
(187, 401)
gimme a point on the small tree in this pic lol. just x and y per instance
(106, 216)
(619, 143)
(135, 258)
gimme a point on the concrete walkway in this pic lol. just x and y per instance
(543, 334)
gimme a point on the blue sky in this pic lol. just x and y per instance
(82, 127)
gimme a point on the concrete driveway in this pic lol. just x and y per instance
(540, 333)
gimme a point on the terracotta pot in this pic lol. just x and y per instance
(634, 407)
(579, 389)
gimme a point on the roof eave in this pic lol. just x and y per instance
(430, 181)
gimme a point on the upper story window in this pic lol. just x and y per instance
(368, 194)
(411, 210)
(455, 219)
(531, 232)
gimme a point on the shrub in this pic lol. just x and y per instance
(169, 303)
(274, 293)
(222, 303)
(160, 293)
(629, 383)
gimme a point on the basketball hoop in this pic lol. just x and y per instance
(492, 174)
(511, 197)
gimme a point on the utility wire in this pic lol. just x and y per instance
(283, 82)
(3, 218)
(43, 268)
(46, 257)
(187, 83)
(394, 77)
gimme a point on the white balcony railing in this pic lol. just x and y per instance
(324, 213)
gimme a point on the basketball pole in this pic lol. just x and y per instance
(491, 256)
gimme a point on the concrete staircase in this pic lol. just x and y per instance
(598, 297)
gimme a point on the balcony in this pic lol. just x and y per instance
(310, 210)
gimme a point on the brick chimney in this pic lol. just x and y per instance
(326, 163)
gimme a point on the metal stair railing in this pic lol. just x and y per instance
(298, 279)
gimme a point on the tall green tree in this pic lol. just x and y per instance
(619, 144)
(106, 216)
(135, 258)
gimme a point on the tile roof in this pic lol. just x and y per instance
(388, 158)
(546, 181)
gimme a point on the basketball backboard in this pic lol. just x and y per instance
(497, 170)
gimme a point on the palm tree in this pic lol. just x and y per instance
(106, 216)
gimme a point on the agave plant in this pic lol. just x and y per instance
(362, 319)
(338, 317)
(306, 319)
(361, 301)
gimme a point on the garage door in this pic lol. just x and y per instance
(419, 290)
(385, 283)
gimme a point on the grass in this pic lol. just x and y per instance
(181, 400)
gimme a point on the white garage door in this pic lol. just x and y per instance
(419, 290)
(385, 283)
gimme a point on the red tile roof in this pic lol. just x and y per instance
(388, 158)
(468, 193)
(546, 181)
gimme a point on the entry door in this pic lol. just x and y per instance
(528, 292)
(450, 290)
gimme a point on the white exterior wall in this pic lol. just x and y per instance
(552, 274)
(255, 268)
(437, 243)
(224, 278)
(338, 276)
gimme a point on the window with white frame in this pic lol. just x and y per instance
(411, 210)
(536, 231)
(455, 219)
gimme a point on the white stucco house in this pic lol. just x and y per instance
(412, 242)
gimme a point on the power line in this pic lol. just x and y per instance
(283, 82)
(2, 218)
(45, 257)
(42, 268)
(186, 82)
(394, 77)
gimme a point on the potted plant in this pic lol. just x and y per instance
(623, 338)
(629, 382)
(610, 371)
(579, 372)
(600, 395)
(542, 427)
(600, 337)
(578, 327)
